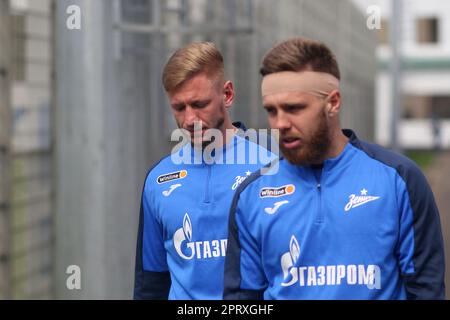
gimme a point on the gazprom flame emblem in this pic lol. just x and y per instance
(180, 237)
(287, 262)
(187, 248)
(187, 227)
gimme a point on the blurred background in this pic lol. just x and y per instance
(83, 114)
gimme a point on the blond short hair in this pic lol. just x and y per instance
(192, 59)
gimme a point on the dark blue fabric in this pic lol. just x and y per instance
(239, 125)
(148, 285)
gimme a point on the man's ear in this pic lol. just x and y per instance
(228, 94)
(333, 104)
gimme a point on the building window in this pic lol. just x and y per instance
(427, 30)
(383, 32)
(426, 107)
(18, 47)
(440, 107)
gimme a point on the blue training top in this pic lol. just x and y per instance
(182, 236)
(367, 228)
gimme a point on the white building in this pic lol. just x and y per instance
(425, 49)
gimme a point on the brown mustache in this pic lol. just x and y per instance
(290, 137)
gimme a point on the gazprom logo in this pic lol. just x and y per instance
(287, 262)
(187, 227)
(189, 249)
(326, 275)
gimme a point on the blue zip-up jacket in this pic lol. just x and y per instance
(367, 227)
(182, 235)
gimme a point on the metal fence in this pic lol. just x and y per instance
(26, 158)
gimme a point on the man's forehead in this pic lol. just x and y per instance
(201, 80)
(193, 88)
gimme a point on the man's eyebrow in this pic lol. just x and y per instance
(294, 104)
(201, 101)
(177, 105)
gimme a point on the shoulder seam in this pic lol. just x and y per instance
(392, 166)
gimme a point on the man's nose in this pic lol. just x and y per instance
(191, 116)
(282, 122)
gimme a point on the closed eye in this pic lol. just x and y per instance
(200, 104)
(271, 111)
(178, 107)
(294, 107)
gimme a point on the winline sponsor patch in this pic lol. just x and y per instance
(171, 176)
(277, 192)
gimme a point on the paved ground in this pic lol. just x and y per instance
(438, 175)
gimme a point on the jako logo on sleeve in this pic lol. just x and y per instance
(171, 176)
(326, 275)
(277, 192)
(188, 249)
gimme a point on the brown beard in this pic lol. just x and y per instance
(312, 151)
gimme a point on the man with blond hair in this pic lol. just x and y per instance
(182, 236)
(342, 218)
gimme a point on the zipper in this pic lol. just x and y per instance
(319, 216)
(207, 184)
(319, 213)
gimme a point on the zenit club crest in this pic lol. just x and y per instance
(171, 176)
(277, 192)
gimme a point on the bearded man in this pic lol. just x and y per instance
(342, 218)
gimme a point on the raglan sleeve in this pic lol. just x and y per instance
(244, 277)
(420, 247)
(152, 277)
